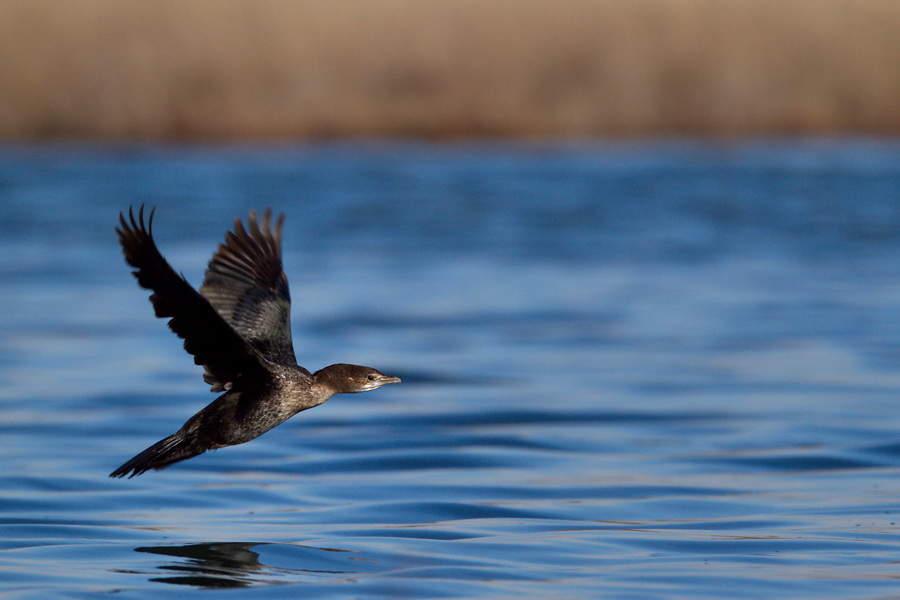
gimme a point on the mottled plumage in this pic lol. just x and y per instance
(238, 328)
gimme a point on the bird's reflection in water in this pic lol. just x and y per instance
(227, 565)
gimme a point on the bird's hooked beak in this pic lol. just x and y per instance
(384, 379)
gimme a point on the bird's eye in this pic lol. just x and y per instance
(371, 378)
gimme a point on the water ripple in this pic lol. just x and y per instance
(641, 370)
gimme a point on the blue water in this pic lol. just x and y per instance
(634, 370)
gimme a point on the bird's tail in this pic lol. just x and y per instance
(160, 455)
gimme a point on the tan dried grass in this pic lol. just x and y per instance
(242, 69)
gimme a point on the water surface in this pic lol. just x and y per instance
(654, 370)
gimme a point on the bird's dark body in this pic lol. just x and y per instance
(238, 327)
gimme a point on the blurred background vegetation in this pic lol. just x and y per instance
(279, 69)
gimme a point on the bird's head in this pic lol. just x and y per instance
(351, 379)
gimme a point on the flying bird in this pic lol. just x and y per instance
(237, 326)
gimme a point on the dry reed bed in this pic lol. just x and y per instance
(224, 69)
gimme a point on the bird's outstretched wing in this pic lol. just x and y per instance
(229, 362)
(246, 284)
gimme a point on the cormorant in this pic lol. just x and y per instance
(238, 327)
